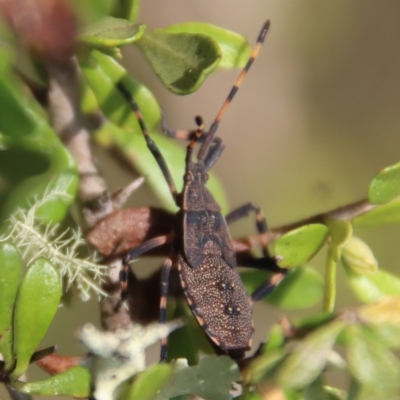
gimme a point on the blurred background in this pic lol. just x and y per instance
(316, 118)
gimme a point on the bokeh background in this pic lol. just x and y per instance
(314, 121)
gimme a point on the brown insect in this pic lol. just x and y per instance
(202, 247)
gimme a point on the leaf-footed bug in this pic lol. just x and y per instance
(202, 247)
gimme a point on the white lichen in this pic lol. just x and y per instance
(34, 239)
(116, 356)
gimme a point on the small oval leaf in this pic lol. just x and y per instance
(36, 305)
(385, 186)
(181, 60)
(371, 362)
(72, 382)
(211, 379)
(10, 274)
(358, 256)
(235, 50)
(309, 357)
(372, 287)
(110, 32)
(296, 247)
(148, 383)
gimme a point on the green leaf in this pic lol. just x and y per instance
(99, 67)
(385, 186)
(27, 136)
(181, 60)
(72, 382)
(275, 340)
(372, 287)
(301, 288)
(110, 32)
(235, 50)
(371, 363)
(315, 391)
(357, 255)
(386, 214)
(211, 379)
(36, 305)
(10, 274)
(147, 383)
(264, 367)
(309, 356)
(92, 10)
(296, 247)
(134, 148)
(385, 311)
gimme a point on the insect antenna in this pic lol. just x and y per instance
(195, 138)
(214, 126)
(150, 143)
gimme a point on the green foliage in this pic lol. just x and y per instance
(385, 186)
(299, 245)
(36, 194)
(210, 379)
(27, 309)
(73, 382)
(10, 271)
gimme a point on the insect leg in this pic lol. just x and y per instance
(166, 268)
(213, 154)
(132, 254)
(150, 143)
(261, 223)
(269, 285)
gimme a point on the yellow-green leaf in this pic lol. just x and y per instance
(296, 247)
(73, 382)
(385, 186)
(36, 305)
(10, 274)
(110, 31)
(358, 256)
(181, 60)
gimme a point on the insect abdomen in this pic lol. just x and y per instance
(218, 300)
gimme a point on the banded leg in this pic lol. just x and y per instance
(131, 255)
(269, 285)
(166, 268)
(261, 223)
(150, 143)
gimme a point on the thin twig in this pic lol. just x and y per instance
(96, 200)
(347, 213)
